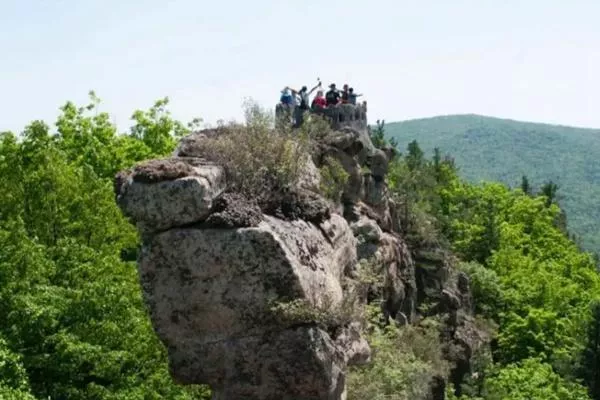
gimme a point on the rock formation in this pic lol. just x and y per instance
(215, 266)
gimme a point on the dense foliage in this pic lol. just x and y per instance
(491, 149)
(73, 322)
(405, 359)
(527, 277)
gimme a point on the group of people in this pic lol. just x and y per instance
(332, 97)
(297, 102)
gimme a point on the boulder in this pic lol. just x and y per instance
(211, 292)
(310, 177)
(379, 164)
(366, 230)
(232, 210)
(355, 348)
(388, 254)
(354, 142)
(163, 194)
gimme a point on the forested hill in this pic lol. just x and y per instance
(494, 149)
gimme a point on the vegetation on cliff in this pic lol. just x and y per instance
(528, 278)
(74, 325)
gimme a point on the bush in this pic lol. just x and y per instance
(405, 361)
(333, 179)
(485, 287)
(258, 159)
(531, 379)
(261, 157)
(326, 315)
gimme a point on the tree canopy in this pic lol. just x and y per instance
(492, 149)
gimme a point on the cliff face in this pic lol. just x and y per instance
(215, 268)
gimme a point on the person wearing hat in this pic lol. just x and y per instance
(332, 96)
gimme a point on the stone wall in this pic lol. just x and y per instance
(340, 116)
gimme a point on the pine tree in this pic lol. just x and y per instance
(549, 189)
(378, 135)
(525, 185)
(414, 158)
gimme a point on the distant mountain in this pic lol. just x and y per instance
(487, 148)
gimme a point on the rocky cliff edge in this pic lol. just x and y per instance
(257, 299)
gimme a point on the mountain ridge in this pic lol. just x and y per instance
(496, 149)
(506, 119)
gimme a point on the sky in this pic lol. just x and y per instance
(532, 60)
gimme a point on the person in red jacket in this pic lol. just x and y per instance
(319, 100)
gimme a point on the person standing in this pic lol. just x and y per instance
(352, 96)
(304, 96)
(332, 96)
(319, 100)
(345, 94)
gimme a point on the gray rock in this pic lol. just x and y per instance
(355, 348)
(463, 283)
(233, 210)
(210, 294)
(389, 255)
(167, 169)
(450, 300)
(379, 164)
(366, 230)
(168, 193)
(297, 204)
(310, 177)
(401, 319)
(376, 194)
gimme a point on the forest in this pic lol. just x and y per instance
(493, 149)
(74, 326)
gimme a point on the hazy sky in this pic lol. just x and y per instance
(533, 60)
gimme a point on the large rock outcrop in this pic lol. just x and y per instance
(219, 271)
(211, 286)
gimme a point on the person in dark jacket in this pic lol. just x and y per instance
(332, 96)
(345, 94)
(352, 96)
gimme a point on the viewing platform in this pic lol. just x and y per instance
(340, 116)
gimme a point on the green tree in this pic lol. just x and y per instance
(74, 324)
(378, 134)
(525, 185)
(531, 379)
(549, 190)
(590, 363)
(414, 158)
(156, 129)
